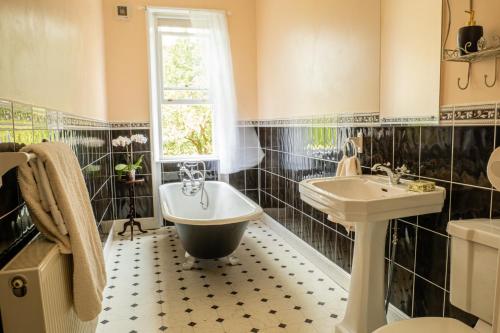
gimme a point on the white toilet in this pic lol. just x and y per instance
(473, 281)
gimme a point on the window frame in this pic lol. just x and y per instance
(160, 92)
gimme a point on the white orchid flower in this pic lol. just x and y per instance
(121, 141)
(139, 138)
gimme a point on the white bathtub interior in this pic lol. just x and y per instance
(226, 205)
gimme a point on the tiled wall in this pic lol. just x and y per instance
(454, 155)
(22, 124)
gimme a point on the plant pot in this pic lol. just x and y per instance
(131, 175)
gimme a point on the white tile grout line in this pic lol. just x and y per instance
(494, 147)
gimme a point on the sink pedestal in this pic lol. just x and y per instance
(365, 306)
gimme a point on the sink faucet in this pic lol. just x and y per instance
(394, 176)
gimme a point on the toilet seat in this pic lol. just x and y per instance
(427, 325)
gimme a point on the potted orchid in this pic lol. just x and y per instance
(130, 168)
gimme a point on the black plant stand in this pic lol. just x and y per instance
(132, 222)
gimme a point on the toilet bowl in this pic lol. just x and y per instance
(473, 280)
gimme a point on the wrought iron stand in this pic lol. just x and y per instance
(132, 222)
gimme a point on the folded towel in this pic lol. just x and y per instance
(349, 166)
(56, 195)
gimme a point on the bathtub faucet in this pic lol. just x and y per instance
(193, 180)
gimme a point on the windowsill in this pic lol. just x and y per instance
(188, 158)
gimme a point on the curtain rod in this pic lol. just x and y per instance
(180, 9)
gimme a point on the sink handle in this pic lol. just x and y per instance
(403, 170)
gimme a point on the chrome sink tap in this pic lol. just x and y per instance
(394, 176)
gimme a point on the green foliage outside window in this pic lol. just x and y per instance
(186, 128)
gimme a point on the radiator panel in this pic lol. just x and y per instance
(47, 306)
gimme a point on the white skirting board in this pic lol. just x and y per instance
(332, 270)
(108, 244)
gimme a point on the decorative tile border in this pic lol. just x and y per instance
(362, 118)
(461, 115)
(73, 122)
(25, 116)
(130, 125)
(475, 114)
(409, 120)
(446, 115)
(316, 121)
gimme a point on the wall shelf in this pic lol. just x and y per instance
(454, 55)
(470, 58)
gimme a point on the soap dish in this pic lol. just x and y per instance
(421, 186)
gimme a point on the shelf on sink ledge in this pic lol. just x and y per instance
(368, 198)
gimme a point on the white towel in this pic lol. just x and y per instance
(349, 166)
(57, 198)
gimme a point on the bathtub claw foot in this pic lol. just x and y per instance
(189, 263)
(233, 260)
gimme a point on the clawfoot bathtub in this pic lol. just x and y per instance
(208, 232)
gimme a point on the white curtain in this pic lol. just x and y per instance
(219, 65)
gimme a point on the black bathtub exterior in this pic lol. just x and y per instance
(211, 241)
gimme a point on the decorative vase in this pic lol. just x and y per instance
(131, 175)
(468, 38)
(470, 35)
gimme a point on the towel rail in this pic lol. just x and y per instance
(353, 145)
(9, 160)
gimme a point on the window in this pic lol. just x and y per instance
(194, 109)
(186, 113)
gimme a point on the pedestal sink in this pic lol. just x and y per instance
(367, 203)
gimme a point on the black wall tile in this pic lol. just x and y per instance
(429, 299)
(144, 207)
(343, 252)
(252, 178)
(471, 151)
(406, 244)
(382, 145)
(431, 256)
(407, 148)
(438, 221)
(469, 202)
(402, 289)
(436, 147)
(329, 243)
(237, 180)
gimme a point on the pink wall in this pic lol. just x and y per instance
(487, 15)
(127, 55)
(53, 55)
(317, 57)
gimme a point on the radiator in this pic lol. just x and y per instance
(36, 292)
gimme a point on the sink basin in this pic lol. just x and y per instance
(367, 203)
(367, 198)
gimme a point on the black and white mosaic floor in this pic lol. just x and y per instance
(273, 289)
